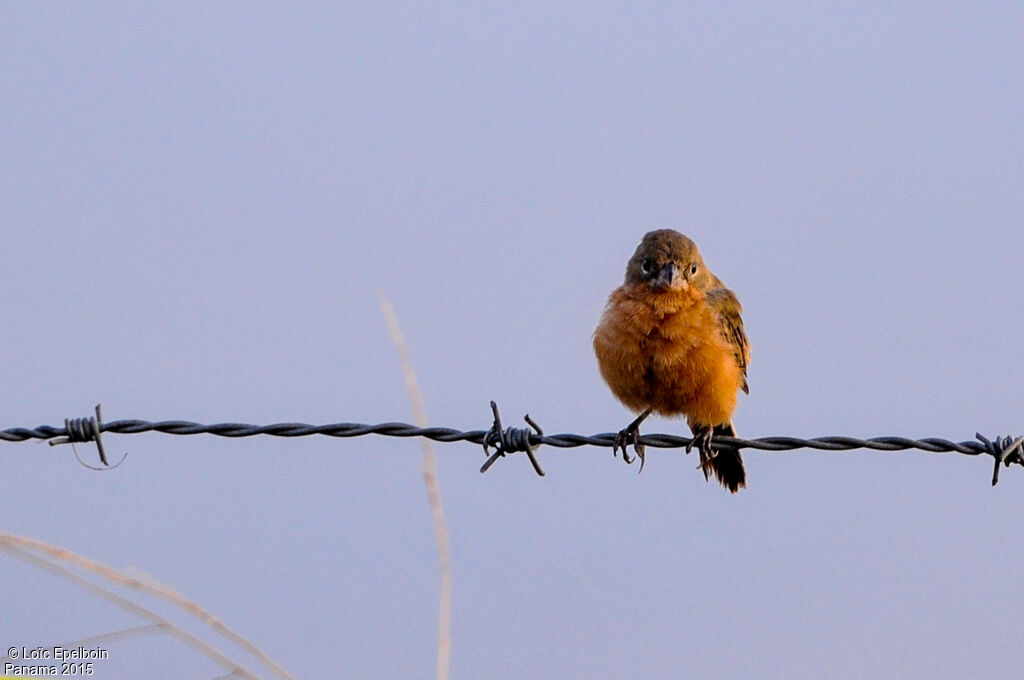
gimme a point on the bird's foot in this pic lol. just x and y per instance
(631, 437)
(702, 440)
(626, 438)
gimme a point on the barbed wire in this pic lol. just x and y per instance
(1004, 450)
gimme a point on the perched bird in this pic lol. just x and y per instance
(671, 341)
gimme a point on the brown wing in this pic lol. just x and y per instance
(724, 302)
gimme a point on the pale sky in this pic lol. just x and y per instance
(200, 202)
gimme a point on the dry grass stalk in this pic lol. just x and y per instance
(444, 621)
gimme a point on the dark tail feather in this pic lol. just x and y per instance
(727, 465)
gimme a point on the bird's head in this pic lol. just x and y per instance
(666, 260)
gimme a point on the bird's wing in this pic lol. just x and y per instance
(728, 308)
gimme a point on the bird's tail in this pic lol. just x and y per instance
(727, 463)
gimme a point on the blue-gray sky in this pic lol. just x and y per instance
(199, 202)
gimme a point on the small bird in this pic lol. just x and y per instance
(671, 341)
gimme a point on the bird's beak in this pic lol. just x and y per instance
(669, 277)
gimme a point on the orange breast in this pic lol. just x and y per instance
(664, 351)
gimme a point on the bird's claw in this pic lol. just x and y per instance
(702, 440)
(624, 439)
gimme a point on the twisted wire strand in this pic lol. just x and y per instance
(446, 434)
(1005, 450)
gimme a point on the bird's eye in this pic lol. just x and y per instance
(693, 269)
(647, 266)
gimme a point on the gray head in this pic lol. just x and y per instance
(666, 259)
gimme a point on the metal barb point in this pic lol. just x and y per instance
(510, 440)
(86, 430)
(1004, 450)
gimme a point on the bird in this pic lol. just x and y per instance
(671, 341)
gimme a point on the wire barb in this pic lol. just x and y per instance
(84, 430)
(510, 440)
(1004, 450)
